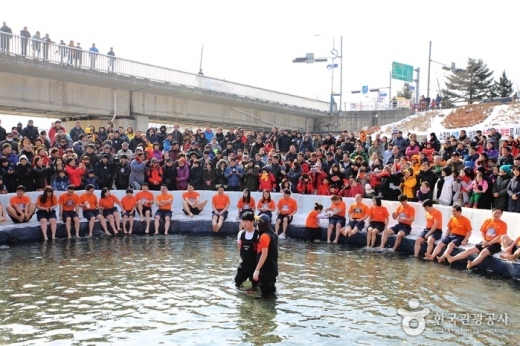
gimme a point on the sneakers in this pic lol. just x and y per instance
(281, 236)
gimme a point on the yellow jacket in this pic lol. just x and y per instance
(408, 186)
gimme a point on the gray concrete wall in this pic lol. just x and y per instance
(356, 120)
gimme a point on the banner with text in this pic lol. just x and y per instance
(505, 131)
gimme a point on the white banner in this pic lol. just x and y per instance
(512, 130)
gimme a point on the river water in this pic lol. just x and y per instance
(179, 290)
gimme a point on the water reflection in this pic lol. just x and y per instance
(179, 289)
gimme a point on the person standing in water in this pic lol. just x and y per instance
(247, 242)
(266, 269)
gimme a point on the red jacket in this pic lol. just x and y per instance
(305, 188)
(266, 184)
(323, 190)
(75, 174)
(155, 175)
(354, 190)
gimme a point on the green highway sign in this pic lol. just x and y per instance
(402, 72)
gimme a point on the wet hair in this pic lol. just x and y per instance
(335, 198)
(457, 208)
(89, 187)
(43, 196)
(318, 206)
(21, 188)
(402, 198)
(104, 192)
(427, 203)
(377, 200)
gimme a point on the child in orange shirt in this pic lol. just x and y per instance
(128, 204)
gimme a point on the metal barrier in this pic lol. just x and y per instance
(84, 59)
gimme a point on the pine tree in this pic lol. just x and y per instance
(471, 84)
(504, 87)
(405, 92)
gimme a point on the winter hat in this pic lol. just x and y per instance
(22, 157)
(505, 168)
(481, 170)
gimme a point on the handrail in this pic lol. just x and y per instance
(64, 55)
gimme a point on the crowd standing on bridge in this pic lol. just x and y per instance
(476, 172)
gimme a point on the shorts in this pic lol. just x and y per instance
(407, 229)
(285, 216)
(15, 220)
(334, 220)
(89, 214)
(359, 224)
(224, 215)
(312, 234)
(110, 211)
(40, 214)
(493, 248)
(193, 210)
(436, 234)
(68, 214)
(380, 226)
(163, 214)
(128, 213)
(453, 238)
(145, 209)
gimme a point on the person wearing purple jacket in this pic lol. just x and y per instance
(183, 174)
(491, 151)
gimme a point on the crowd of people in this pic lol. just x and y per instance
(460, 172)
(43, 47)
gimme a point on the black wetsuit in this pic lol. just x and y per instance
(248, 256)
(269, 270)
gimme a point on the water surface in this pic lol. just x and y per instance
(179, 289)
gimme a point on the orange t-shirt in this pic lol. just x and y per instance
(263, 242)
(287, 206)
(269, 205)
(491, 229)
(378, 214)
(92, 200)
(341, 205)
(190, 196)
(431, 217)
(128, 203)
(50, 202)
(358, 210)
(312, 219)
(405, 212)
(163, 197)
(244, 206)
(459, 225)
(220, 201)
(68, 202)
(146, 197)
(21, 202)
(108, 202)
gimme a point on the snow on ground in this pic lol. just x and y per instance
(504, 118)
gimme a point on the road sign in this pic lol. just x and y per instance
(382, 94)
(364, 89)
(411, 88)
(402, 72)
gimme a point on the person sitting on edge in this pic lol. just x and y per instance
(220, 204)
(405, 216)
(107, 205)
(2, 215)
(21, 209)
(379, 216)
(89, 202)
(247, 242)
(459, 231)
(144, 200)
(190, 202)
(433, 230)
(266, 204)
(511, 248)
(312, 224)
(69, 209)
(287, 207)
(244, 205)
(46, 205)
(357, 214)
(336, 213)
(128, 206)
(164, 201)
(266, 269)
(492, 231)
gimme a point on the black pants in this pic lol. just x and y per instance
(267, 283)
(244, 274)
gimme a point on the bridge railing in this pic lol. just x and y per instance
(72, 56)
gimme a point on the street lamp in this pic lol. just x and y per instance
(445, 67)
(335, 55)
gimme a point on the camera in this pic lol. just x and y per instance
(115, 159)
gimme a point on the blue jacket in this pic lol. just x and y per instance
(137, 171)
(232, 178)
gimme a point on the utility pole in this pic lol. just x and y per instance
(429, 63)
(418, 70)
(341, 72)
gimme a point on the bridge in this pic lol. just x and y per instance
(56, 81)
